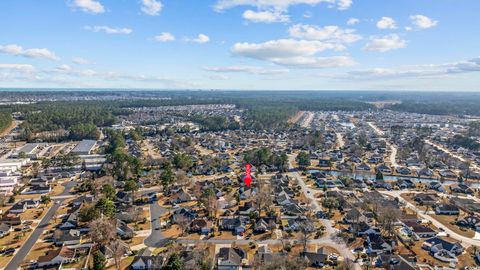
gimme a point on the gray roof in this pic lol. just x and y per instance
(28, 148)
(84, 146)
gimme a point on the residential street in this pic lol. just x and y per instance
(393, 148)
(329, 238)
(20, 255)
(465, 241)
(457, 156)
(156, 238)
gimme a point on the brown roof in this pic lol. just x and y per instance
(65, 252)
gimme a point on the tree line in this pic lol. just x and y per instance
(5, 121)
(215, 123)
(440, 107)
(265, 156)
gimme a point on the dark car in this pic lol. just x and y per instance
(9, 251)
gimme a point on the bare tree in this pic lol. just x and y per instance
(182, 222)
(387, 217)
(263, 199)
(103, 231)
(3, 199)
(209, 200)
(118, 251)
(304, 236)
(136, 213)
(182, 178)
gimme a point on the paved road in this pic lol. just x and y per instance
(309, 192)
(324, 241)
(393, 148)
(340, 141)
(465, 241)
(330, 237)
(156, 238)
(454, 155)
(20, 255)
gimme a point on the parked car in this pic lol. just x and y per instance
(8, 251)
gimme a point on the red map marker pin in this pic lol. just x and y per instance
(248, 179)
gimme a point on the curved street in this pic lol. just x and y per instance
(465, 241)
(20, 255)
(330, 237)
(156, 238)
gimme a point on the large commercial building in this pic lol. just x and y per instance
(85, 147)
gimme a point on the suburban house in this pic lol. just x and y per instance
(377, 245)
(67, 238)
(58, 256)
(201, 226)
(5, 229)
(147, 262)
(316, 259)
(425, 198)
(442, 249)
(231, 259)
(471, 221)
(446, 209)
(18, 208)
(234, 224)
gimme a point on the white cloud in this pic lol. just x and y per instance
(353, 21)
(108, 29)
(344, 4)
(418, 71)
(385, 43)
(65, 75)
(291, 52)
(265, 16)
(201, 38)
(386, 23)
(64, 68)
(329, 33)
(165, 37)
(89, 6)
(24, 68)
(423, 22)
(246, 69)
(81, 61)
(277, 4)
(218, 77)
(151, 7)
(17, 50)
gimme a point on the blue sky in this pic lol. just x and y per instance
(241, 44)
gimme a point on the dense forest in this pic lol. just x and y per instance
(5, 121)
(265, 156)
(80, 121)
(215, 123)
(273, 112)
(453, 106)
(267, 117)
(263, 110)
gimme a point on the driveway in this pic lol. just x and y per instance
(20, 255)
(156, 238)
